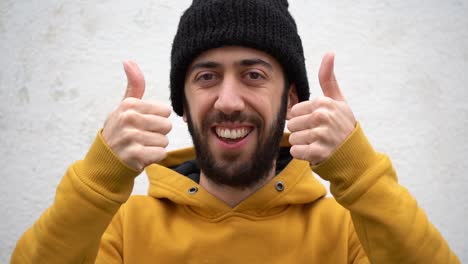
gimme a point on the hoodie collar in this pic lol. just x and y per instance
(295, 184)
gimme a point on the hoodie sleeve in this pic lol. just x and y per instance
(87, 198)
(391, 227)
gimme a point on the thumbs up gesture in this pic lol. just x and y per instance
(136, 130)
(320, 126)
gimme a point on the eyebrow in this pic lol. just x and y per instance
(251, 62)
(204, 65)
(212, 64)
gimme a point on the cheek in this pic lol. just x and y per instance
(199, 103)
(267, 105)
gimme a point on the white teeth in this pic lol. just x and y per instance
(232, 133)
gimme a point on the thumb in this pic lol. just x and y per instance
(135, 80)
(327, 78)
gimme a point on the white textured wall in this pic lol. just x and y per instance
(402, 64)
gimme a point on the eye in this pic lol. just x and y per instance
(253, 75)
(205, 76)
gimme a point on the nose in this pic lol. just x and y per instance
(230, 98)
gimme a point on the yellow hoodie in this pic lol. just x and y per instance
(289, 220)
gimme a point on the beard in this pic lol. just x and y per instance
(228, 169)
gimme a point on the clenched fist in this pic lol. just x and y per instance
(136, 130)
(318, 127)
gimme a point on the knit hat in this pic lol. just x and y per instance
(265, 25)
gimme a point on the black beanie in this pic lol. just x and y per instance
(264, 25)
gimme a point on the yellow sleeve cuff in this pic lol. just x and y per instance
(349, 163)
(105, 173)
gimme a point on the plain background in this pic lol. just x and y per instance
(402, 65)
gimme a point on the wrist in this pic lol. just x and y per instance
(104, 172)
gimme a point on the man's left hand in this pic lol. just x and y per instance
(318, 127)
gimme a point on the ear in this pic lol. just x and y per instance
(292, 100)
(184, 115)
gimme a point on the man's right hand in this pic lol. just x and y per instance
(136, 130)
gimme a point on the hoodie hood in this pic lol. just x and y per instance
(299, 186)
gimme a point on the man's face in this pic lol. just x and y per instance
(236, 105)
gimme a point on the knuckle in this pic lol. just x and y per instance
(133, 152)
(325, 101)
(129, 135)
(161, 109)
(293, 139)
(311, 135)
(319, 134)
(139, 156)
(166, 126)
(129, 103)
(163, 154)
(321, 116)
(157, 154)
(295, 152)
(129, 117)
(164, 141)
(166, 111)
(310, 119)
(131, 158)
(309, 153)
(308, 108)
(314, 153)
(323, 135)
(291, 125)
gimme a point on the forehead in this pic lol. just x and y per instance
(234, 54)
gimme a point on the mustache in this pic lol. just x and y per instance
(219, 117)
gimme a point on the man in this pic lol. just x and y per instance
(245, 193)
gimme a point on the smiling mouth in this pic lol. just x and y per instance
(232, 134)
